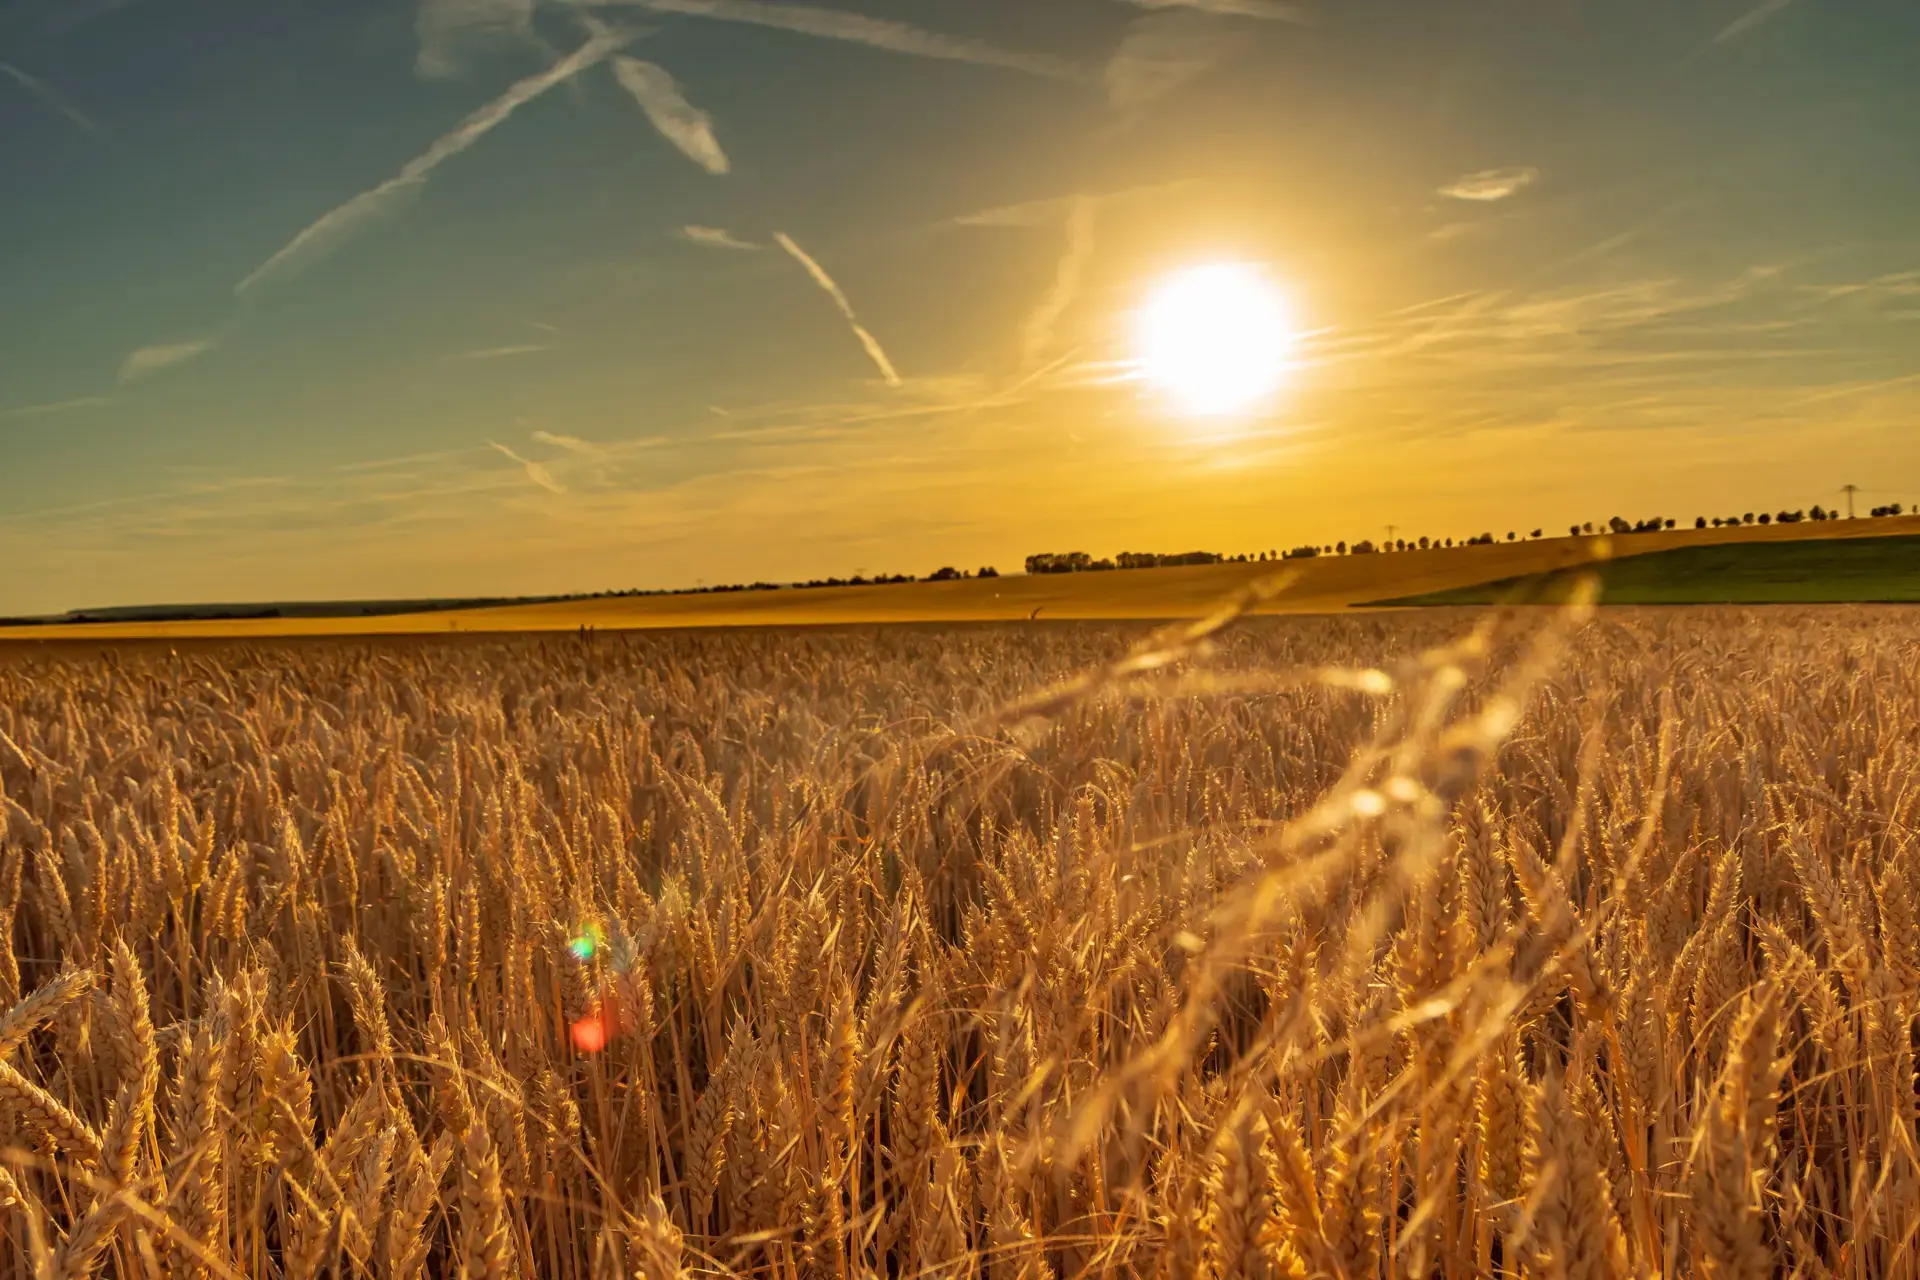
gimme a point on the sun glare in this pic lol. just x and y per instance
(1215, 338)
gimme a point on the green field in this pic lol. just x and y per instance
(1824, 571)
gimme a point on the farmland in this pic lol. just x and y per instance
(1324, 584)
(1817, 571)
(1414, 943)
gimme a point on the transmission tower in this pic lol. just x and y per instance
(1849, 490)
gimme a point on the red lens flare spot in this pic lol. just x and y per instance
(590, 1034)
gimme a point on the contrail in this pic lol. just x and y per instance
(1066, 281)
(825, 281)
(679, 121)
(39, 89)
(879, 33)
(335, 227)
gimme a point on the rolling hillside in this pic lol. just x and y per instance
(1327, 584)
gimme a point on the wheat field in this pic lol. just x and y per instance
(1425, 944)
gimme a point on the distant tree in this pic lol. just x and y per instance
(1303, 553)
(1340, 548)
(1669, 524)
(1363, 548)
(987, 571)
(1700, 522)
(1747, 518)
(946, 573)
(1619, 526)
(1538, 533)
(1511, 535)
(1449, 542)
(1818, 513)
(1423, 542)
(1765, 518)
(1587, 527)
(1573, 531)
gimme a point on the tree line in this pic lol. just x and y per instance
(1084, 562)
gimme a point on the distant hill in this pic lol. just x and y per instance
(1822, 571)
(1325, 584)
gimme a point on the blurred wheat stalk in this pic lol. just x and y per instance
(1340, 947)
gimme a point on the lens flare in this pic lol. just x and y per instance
(590, 1034)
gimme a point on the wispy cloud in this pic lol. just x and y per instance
(146, 360)
(855, 28)
(41, 90)
(535, 471)
(825, 281)
(1271, 10)
(1162, 52)
(337, 226)
(1054, 211)
(572, 444)
(1066, 280)
(502, 353)
(1750, 19)
(450, 30)
(679, 121)
(57, 407)
(717, 238)
(1491, 184)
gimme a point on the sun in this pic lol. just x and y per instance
(1217, 339)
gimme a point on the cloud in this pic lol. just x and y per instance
(825, 281)
(337, 226)
(450, 30)
(1066, 280)
(1162, 52)
(854, 28)
(39, 89)
(679, 121)
(1750, 19)
(572, 444)
(535, 472)
(716, 238)
(503, 353)
(1054, 211)
(146, 360)
(1491, 184)
(1272, 10)
(57, 407)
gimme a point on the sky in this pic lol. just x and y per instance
(367, 298)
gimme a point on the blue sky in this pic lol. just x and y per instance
(367, 298)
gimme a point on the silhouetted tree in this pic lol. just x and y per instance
(987, 571)
(946, 573)
(1700, 522)
(1747, 518)
(1619, 526)
(1765, 518)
